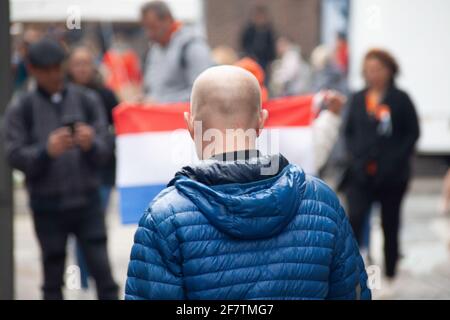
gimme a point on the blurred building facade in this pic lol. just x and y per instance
(297, 19)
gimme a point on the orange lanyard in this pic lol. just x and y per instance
(374, 108)
(371, 104)
(173, 28)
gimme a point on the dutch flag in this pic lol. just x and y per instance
(153, 144)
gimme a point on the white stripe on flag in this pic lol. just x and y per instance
(153, 158)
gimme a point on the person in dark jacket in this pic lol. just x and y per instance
(82, 71)
(242, 225)
(258, 40)
(57, 135)
(381, 133)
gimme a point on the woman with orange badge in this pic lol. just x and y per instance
(381, 132)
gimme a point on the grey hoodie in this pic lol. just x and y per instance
(170, 71)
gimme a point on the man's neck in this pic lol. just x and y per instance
(237, 155)
(212, 150)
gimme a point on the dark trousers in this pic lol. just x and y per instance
(88, 226)
(105, 192)
(359, 201)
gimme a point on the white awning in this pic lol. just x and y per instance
(95, 10)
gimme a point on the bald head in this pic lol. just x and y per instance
(226, 113)
(226, 97)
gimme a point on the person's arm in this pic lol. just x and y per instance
(411, 131)
(30, 158)
(198, 59)
(102, 146)
(110, 101)
(348, 277)
(146, 67)
(325, 133)
(327, 125)
(153, 272)
(349, 127)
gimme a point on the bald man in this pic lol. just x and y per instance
(226, 102)
(242, 225)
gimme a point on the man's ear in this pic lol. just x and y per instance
(263, 116)
(189, 123)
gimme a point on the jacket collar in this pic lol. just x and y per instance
(251, 210)
(236, 155)
(54, 98)
(235, 167)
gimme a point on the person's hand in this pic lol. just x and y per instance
(84, 136)
(334, 101)
(59, 142)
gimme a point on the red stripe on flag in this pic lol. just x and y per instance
(290, 112)
(140, 118)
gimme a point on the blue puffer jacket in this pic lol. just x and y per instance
(224, 231)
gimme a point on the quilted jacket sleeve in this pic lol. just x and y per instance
(348, 277)
(153, 271)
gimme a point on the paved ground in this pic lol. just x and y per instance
(424, 270)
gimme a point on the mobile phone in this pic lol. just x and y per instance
(70, 122)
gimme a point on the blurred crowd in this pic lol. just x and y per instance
(128, 70)
(60, 133)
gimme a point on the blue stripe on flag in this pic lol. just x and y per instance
(135, 200)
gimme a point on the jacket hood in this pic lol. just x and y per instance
(259, 208)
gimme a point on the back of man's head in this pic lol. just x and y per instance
(226, 103)
(226, 97)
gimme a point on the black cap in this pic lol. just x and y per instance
(46, 53)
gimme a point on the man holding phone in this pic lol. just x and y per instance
(57, 134)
